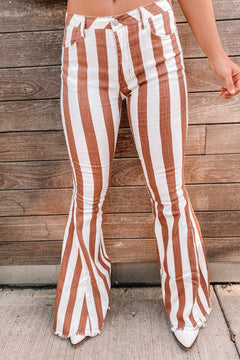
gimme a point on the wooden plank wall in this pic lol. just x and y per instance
(36, 184)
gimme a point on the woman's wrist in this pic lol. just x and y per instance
(220, 54)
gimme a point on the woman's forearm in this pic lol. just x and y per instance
(201, 18)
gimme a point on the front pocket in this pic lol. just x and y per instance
(163, 24)
(70, 36)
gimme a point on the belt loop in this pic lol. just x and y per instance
(141, 17)
(82, 27)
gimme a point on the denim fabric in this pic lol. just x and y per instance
(136, 56)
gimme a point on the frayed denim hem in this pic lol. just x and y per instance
(200, 323)
(87, 333)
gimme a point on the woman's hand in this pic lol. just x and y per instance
(201, 18)
(229, 72)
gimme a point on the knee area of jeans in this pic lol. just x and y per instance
(91, 203)
(175, 207)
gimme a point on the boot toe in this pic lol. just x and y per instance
(186, 337)
(77, 339)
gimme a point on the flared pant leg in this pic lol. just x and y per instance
(91, 111)
(158, 114)
(148, 69)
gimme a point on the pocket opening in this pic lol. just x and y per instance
(69, 40)
(162, 25)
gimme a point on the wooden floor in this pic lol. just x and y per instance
(27, 318)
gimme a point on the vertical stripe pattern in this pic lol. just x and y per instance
(135, 55)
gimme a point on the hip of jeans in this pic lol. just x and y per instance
(159, 13)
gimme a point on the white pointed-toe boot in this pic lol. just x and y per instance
(77, 339)
(186, 337)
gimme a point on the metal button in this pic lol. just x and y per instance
(115, 22)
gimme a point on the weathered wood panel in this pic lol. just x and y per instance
(22, 15)
(53, 174)
(44, 47)
(136, 199)
(120, 251)
(44, 114)
(223, 139)
(22, 146)
(44, 82)
(116, 225)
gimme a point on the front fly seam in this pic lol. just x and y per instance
(141, 17)
(82, 27)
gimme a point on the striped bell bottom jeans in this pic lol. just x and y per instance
(135, 56)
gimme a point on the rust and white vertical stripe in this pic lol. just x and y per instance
(144, 65)
(83, 288)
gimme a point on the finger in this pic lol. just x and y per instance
(225, 91)
(227, 96)
(236, 78)
(237, 86)
(229, 84)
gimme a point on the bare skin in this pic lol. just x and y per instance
(103, 7)
(201, 19)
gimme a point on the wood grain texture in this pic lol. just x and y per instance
(136, 199)
(44, 82)
(42, 145)
(45, 114)
(119, 250)
(44, 47)
(207, 169)
(116, 225)
(223, 139)
(23, 15)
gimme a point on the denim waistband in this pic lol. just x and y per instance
(129, 17)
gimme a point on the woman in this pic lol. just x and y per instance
(131, 50)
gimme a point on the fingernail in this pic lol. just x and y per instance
(232, 91)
